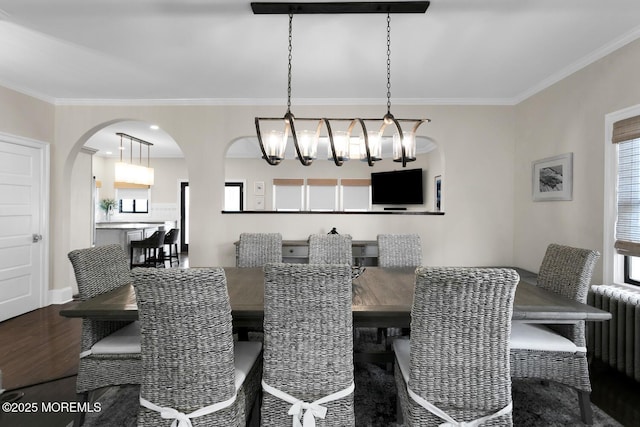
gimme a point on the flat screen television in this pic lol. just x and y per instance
(403, 187)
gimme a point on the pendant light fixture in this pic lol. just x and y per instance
(306, 142)
(404, 143)
(131, 173)
(341, 147)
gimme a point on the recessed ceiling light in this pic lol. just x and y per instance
(154, 127)
(108, 153)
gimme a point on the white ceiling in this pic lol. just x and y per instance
(219, 52)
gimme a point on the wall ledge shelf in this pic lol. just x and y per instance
(337, 212)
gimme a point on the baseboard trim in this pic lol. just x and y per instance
(60, 296)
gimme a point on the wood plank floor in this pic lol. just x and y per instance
(42, 346)
(38, 346)
(39, 358)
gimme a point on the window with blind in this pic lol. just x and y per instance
(322, 194)
(356, 195)
(133, 200)
(626, 134)
(288, 194)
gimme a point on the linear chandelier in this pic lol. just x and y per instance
(341, 148)
(129, 172)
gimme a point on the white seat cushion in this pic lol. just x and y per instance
(527, 336)
(245, 354)
(125, 340)
(401, 349)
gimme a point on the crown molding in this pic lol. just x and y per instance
(581, 63)
(28, 92)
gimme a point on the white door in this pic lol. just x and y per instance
(22, 225)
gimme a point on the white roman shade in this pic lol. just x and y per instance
(626, 133)
(133, 193)
(322, 194)
(356, 194)
(288, 194)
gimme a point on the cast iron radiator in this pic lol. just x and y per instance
(616, 341)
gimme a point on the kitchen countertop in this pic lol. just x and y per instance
(127, 225)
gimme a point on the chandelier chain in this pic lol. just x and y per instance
(289, 68)
(388, 63)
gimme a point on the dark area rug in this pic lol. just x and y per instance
(535, 404)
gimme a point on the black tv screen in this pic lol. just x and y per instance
(403, 187)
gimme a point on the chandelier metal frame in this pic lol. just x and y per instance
(275, 157)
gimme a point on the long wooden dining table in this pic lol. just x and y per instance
(382, 298)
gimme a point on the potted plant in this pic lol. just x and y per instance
(107, 205)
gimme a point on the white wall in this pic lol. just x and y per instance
(26, 116)
(81, 200)
(569, 117)
(477, 228)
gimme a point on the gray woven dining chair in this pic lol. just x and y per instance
(191, 366)
(399, 250)
(257, 249)
(558, 352)
(109, 350)
(330, 249)
(457, 359)
(308, 344)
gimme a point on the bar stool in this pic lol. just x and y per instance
(152, 249)
(171, 240)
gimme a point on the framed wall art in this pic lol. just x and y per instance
(258, 188)
(553, 178)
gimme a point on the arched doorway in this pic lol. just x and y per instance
(92, 180)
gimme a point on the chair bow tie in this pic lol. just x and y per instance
(180, 419)
(311, 411)
(450, 422)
